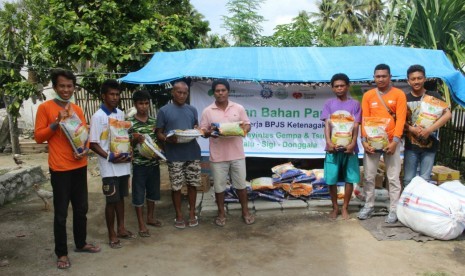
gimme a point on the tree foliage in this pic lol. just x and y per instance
(437, 25)
(243, 22)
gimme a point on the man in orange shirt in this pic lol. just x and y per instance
(389, 102)
(68, 170)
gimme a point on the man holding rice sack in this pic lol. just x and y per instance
(384, 110)
(68, 167)
(183, 154)
(427, 112)
(227, 122)
(109, 139)
(342, 116)
(145, 165)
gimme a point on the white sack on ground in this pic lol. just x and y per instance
(430, 210)
(456, 189)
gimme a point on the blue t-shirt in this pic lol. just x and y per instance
(172, 117)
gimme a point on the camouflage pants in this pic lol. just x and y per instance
(187, 172)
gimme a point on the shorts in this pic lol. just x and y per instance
(145, 184)
(341, 167)
(115, 188)
(184, 172)
(221, 171)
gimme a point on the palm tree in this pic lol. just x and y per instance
(324, 16)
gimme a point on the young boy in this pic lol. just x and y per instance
(421, 144)
(115, 173)
(341, 162)
(145, 172)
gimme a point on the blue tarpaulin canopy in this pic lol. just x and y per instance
(297, 64)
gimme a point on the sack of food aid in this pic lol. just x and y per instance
(375, 129)
(75, 130)
(149, 149)
(431, 109)
(120, 144)
(341, 129)
(430, 210)
(228, 129)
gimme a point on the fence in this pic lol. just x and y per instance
(90, 103)
(451, 149)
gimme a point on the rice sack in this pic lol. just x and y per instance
(119, 138)
(75, 130)
(431, 109)
(375, 129)
(341, 129)
(149, 149)
(228, 129)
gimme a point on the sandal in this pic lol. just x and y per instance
(180, 224)
(115, 244)
(127, 236)
(144, 234)
(249, 219)
(155, 223)
(88, 248)
(63, 263)
(194, 222)
(220, 221)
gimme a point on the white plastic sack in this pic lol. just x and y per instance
(456, 189)
(430, 210)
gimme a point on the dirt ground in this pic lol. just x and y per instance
(295, 243)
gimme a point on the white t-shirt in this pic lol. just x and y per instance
(99, 133)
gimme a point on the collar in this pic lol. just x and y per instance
(228, 106)
(105, 109)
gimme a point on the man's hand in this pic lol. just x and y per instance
(391, 148)
(121, 159)
(330, 147)
(415, 130)
(172, 139)
(81, 155)
(368, 149)
(350, 148)
(424, 132)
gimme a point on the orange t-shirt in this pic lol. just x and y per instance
(60, 152)
(396, 100)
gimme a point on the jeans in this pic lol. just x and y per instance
(414, 158)
(145, 184)
(69, 186)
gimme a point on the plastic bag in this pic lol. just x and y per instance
(341, 129)
(375, 129)
(431, 109)
(456, 189)
(119, 139)
(228, 129)
(149, 149)
(280, 169)
(262, 183)
(430, 210)
(76, 132)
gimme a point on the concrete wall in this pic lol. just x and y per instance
(14, 182)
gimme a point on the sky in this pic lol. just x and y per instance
(276, 12)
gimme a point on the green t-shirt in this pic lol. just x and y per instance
(147, 127)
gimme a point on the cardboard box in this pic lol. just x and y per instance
(442, 174)
(204, 184)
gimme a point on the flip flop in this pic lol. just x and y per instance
(194, 222)
(155, 223)
(115, 244)
(180, 224)
(144, 234)
(128, 236)
(88, 248)
(63, 264)
(220, 221)
(250, 219)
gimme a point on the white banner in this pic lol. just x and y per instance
(285, 119)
